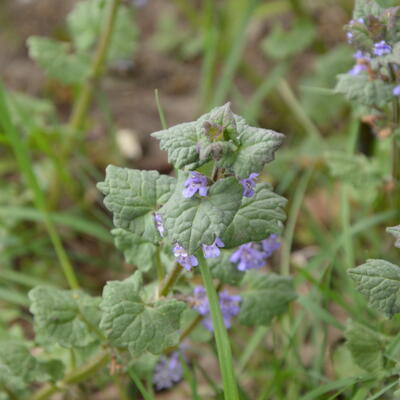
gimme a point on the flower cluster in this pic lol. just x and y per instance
(196, 183)
(254, 256)
(184, 258)
(168, 371)
(229, 304)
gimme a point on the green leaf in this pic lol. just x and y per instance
(395, 231)
(225, 271)
(133, 197)
(223, 136)
(269, 297)
(87, 20)
(387, 3)
(362, 90)
(12, 383)
(55, 58)
(136, 251)
(60, 316)
(17, 358)
(281, 44)
(379, 281)
(365, 8)
(257, 218)
(199, 220)
(366, 346)
(129, 321)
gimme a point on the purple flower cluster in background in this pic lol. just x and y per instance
(350, 35)
(167, 371)
(249, 184)
(396, 90)
(212, 251)
(381, 48)
(159, 224)
(196, 183)
(184, 258)
(229, 304)
(252, 255)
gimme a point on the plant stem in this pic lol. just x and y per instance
(221, 335)
(120, 387)
(159, 267)
(172, 278)
(160, 110)
(77, 376)
(82, 104)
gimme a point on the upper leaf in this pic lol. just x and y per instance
(199, 220)
(60, 315)
(237, 146)
(366, 346)
(268, 298)
(365, 8)
(364, 91)
(134, 196)
(257, 218)
(130, 322)
(379, 280)
(55, 58)
(395, 231)
(87, 20)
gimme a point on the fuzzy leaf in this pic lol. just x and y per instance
(257, 218)
(225, 271)
(130, 322)
(136, 251)
(268, 298)
(59, 315)
(17, 358)
(133, 197)
(199, 220)
(364, 8)
(87, 20)
(366, 346)
(362, 90)
(395, 231)
(55, 58)
(379, 281)
(10, 383)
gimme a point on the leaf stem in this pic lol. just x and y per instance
(221, 335)
(77, 376)
(159, 267)
(82, 104)
(172, 278)
(160, 110)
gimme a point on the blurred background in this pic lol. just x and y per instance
(277, 62)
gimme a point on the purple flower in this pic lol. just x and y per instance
(396, 91)
(349, 37)
(212, 251)
(249, 185)
(270, 245)
(381, 48)
(197, 182)
(159, 224)
(359, 55)
(357, 69)
(229, 306)
(247, 257)
(167, 371)
(184, 258)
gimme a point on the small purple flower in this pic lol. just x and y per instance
(396, 91)
(167, 371)
(349, 37)
(381, 48)
(357, 69)
(159, 224)
(184, 258)
(196, 183)
(270, 245)
(212, 251)
(249, 185)
(359, 55)
(230, 306)
(247, 257)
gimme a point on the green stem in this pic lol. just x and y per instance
(77, 376)
(221, 335)
(120, 388)
(172, 278)
(159, 267)
(160, 110)
(81, 106)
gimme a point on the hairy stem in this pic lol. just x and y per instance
(159, 267)
(82, 104)
(76, 376)
(221, 335)
(172, 278)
